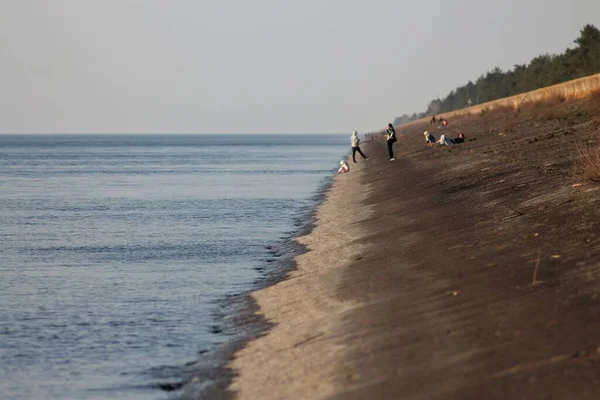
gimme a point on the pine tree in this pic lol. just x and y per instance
(543, 70)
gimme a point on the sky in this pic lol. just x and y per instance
(260, 66)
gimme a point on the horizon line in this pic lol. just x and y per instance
(172, 133)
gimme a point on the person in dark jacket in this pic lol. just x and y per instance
(390, 140)
(460, 138)
(429, 138)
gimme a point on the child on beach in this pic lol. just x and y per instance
(344, 167)
(354, 140)
(390, 140)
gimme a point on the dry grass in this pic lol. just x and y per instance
(562, 94)
(588, 164)
(558, 102)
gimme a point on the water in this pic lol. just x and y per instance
(116, 250)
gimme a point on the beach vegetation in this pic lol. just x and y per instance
(542, 71)
(588, 163)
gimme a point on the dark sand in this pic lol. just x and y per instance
(418, 283)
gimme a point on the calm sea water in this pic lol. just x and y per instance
(115, 251)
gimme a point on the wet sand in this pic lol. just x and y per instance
(451, 273)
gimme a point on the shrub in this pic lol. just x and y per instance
(588, 164)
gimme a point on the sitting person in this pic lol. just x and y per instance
(344, 167)
(447, 140)
(460, 138)
(444, 122)
(429, 138)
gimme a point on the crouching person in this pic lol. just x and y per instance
(344, 167)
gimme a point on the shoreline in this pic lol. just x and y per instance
(239, 315)
(289, 294)
(417, 282)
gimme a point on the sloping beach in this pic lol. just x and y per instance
(460, 272)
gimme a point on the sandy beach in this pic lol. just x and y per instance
(458, 272)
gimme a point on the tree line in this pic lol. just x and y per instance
(542, 71)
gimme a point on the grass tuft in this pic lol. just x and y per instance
(588, 164)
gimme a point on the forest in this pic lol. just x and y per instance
(544, 70)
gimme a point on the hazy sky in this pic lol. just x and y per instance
(211, 66)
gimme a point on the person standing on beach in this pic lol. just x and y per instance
(390, 140)
(354, 140)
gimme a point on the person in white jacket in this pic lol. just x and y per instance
(344, 167)
(354, 140)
